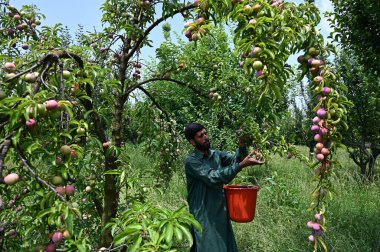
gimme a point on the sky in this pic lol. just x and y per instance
(72, 13)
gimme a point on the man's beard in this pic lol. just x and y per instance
(203, 147)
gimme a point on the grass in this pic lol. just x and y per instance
(353, 215)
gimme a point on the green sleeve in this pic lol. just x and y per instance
(212, 175)
(228, 158)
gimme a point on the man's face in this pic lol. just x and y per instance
(201, 141)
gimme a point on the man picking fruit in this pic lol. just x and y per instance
(206, 172)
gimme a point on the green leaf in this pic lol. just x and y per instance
(128, 230)
(178, 233)
(113, 172)
(187, 234)
(169, 232)
(44, 212)
(136, 244)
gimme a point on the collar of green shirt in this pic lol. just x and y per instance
(199, 154)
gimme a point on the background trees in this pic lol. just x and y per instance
(356, 26)
(73, 112)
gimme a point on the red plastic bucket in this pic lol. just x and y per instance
(241, 202)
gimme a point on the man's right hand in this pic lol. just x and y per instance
(255, 158)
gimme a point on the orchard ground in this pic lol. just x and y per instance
(281, 213)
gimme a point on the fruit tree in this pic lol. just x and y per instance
(65, 107)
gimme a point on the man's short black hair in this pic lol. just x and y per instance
(192, 129)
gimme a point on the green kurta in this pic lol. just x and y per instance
(205, 178)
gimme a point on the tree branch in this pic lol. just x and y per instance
(152, 26)
(137, 85)
(155, 102)
(29, 168)
(4, 147)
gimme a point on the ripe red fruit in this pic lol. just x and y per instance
(9, 67)
(57, 237)
(188, 34)
(316, 120)
(321, 113)
(188, 24)
(318, 138)
(60, 190)
(274, 4)
(318, 216)
(316, 226)
(323, 131)
(257, 50)
(318, 79)
(11, 178)
(247, 8)
(50, 247)
(325, 151)
(314, 70)
(146, 3)
(70, 190)
(326, 90)
(317, 62)
(200, 20)
(318, 232)
(319, 146)
(320, 157)
(259, 73)
(65, 150)
(312, 238)
(73, 154)
(30, 123)
(25, 46)
(106, 144)
(10, 31)
(58, 161)
(315, 128)
(310, 224)
(51, 105)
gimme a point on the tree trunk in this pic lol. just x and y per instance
(111, 191)
(371, 164)
(359, 156)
